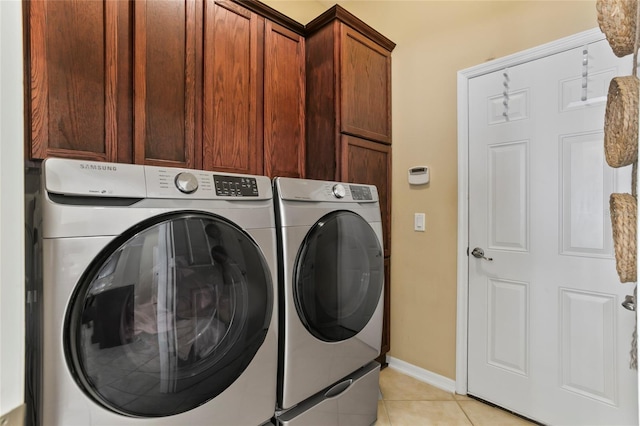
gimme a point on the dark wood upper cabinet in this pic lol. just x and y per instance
(253, 93)
(365, 93)
(78, 69)
(284, 95)
(348, 79)
(206, 84)
(233, 51)
(165, 81)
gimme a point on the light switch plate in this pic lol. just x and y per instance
(419, 222)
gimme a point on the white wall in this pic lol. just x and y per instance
(11, 208)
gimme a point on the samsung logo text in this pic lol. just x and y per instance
(98, 167)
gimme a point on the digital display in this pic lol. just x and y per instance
(360, 192)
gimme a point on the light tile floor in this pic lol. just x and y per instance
(410, 402)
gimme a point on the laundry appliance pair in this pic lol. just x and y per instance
(157, 300)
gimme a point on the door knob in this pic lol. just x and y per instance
(479, 254)
(629, 303)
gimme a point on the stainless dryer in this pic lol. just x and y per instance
(158, 296)
(331, 278)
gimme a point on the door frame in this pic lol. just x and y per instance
(557, 46)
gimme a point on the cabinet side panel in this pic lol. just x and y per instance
(321, 130)
(283, 102)
(75, 65)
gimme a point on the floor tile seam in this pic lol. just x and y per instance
(419, 400)
(464, 412)
(386, 412)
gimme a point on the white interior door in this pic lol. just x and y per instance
(547, 336)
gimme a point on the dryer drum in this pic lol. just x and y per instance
(339, 276)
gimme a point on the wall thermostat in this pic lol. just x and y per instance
(418, 175)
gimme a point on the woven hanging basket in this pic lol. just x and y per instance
(617, 20)
(621, 121)
(624, 213)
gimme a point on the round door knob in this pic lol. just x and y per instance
(339, 191)
(186, 182)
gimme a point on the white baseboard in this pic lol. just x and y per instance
(423, 375)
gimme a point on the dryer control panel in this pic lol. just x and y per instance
(315, 190)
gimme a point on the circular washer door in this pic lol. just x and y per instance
(339, 275)
(168, 315)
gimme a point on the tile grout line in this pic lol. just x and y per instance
(462, 409)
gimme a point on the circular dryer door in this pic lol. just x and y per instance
(168, 315)
(339, 275)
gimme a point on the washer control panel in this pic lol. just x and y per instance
(235, 186)
(168, 182)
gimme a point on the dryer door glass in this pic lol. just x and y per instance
(168, 315)
(339, 276)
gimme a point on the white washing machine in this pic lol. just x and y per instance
(331, 285)
(158, 296)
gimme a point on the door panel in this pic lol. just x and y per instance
(547, 335)
(508, 201)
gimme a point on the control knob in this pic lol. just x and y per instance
(186, 182)
(339, 191)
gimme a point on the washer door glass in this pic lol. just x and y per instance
(339, 275)
(168, 315)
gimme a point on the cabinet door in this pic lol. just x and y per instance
(284, 97)
(233, 57)
(370, 162)
(365, 87)
(78, 70)
(165, 82)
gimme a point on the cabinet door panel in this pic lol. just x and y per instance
(370, 162)
(74, 78)
(284, 94)
(232, 89)
(165, 83)
(366, 87)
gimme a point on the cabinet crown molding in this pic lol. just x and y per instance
(272, 15)
(341, 14)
